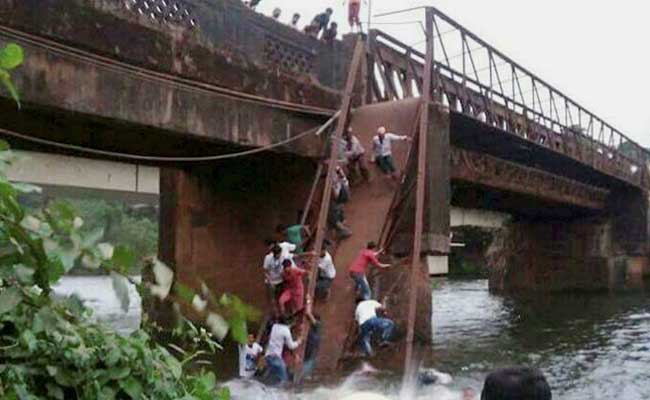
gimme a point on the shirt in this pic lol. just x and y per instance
(294, 234)
(248, 359)
(293, 279)
(365, 257)
(326, 267)
(279, 338)
(287, 250)
(273, 267)
(340, 181)
(366, 310)
(354, 148)
(321, 20)
(384, 148)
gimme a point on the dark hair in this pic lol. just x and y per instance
(286, 263)
(518, 383)
(371, 245)
(276, 249)
(359, 300)
(334, 24)
(269, 242)
(280, 228)
(329, 10)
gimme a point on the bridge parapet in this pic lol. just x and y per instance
(476, 80)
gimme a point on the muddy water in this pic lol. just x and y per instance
(591, 346)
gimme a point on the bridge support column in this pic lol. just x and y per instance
(597, 253)
(215, 219)
(435, 240)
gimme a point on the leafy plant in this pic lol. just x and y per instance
(50, 348)
(11, 57)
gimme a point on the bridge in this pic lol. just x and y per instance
(238, 110)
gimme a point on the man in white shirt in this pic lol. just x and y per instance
(273, 271)
(279, 339)
(383, 151)
(248, 355)
(326, 274)
(370, 325)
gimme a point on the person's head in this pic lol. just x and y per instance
(277, 12)
(286, 264)
(381, 131)
(329, 11)
(276, 251)
(359, 299)
(281, 228)
(251, 339)
(518, 383)
(334, 26)
(371, 245)
(295, 18)
(339, 171)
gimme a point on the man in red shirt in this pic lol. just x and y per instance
(360, 265)
(294, 288)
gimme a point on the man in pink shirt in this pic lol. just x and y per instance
(360, 265)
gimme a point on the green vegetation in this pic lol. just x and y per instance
(50, 349)
(119, 226)
(11, 57)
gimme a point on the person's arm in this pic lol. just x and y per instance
(308, 311)
(306, 231)
(375, 261)
(289, 342)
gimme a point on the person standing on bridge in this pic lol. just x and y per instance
(372, 325)
(383, 151)
(354, 9)
(360, 265)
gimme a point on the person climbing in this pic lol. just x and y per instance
(295, 234)
(340, 186)
(254, 3)
(279, 339)
(330, 34)
(321, 21)
(313, 340)
(273, 272)
(326, 273)
(360, 265)
(249, 354)
(294, 21)
(354, 9)
(336, 220)
(383, 154)
(355, 156)
(293, 292)
(371, 325)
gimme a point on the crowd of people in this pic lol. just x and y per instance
(321, 27)
(286, 267)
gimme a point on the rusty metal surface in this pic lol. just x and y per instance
(321, 226)
(496, 173)
(478, 81)
(365, 213)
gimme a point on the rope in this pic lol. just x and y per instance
(160, 77)
(135, 157)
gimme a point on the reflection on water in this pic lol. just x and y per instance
(590, 346)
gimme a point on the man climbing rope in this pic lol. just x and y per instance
(383, 153)
(273, 272)
(372, 325)
(360, 265)
(326, 273)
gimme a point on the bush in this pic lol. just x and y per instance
(50, 349)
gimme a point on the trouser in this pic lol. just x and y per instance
(361, 285)
(358, 162)
(381, 327)
(277, 370)
(353, 13)
(386, 164)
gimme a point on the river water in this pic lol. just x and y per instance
(590, 346)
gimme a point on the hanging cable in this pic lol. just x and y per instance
(135, 157)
